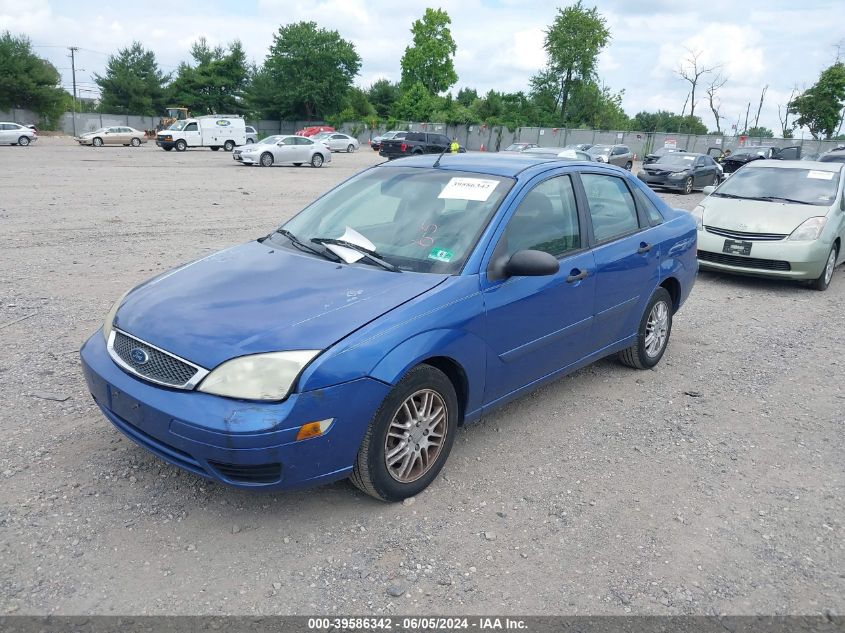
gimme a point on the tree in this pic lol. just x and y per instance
(691, 70)
(415, 104)
(466, 96)
(715, 103)
(216, 84)
(383, 94)
(310, 71)
(783, 117)
(664, 121)
(133, 83)
(818, 108)
(759, 132)
(760, 107)
(572, 43)
(28, 81)
(428, 60)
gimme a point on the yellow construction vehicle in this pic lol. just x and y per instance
(173, 114)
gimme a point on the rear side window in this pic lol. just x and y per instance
(612, 207)
(651, 212)
(415, 136)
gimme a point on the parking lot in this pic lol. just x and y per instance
(711, 484)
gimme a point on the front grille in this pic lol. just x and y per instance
(249, 474)
(160, 367)
(743, 262)
(742, 235)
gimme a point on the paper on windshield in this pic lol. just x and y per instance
(350, 255)
(478, 189)
(820, 175)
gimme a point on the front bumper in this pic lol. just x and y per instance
(782, 259)
(662, 181)
(246, 159)
(239, 443)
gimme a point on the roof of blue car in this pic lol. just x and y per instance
(509, 165)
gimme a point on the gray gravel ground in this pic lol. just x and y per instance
(712, 484)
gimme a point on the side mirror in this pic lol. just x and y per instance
(280, 143)
(530, 263)
(708, 190)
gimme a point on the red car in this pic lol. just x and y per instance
(314, 129)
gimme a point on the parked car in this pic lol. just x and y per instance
(744, 155)
(114, 135)
(619, 155)
(558, 152)
(314, 129)
(15, 134)
(283, 150)
(212, 131)
(683, 171)
(661, 151)
(357, 338)
(836, 155)
(375, 142)
(515, 148)
(416, 143)
(772, 218)
(251, 135)
(581, 147)
(338, 142)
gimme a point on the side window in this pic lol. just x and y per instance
(546, 220)
(191, 127)
(304, 141)
(289, 140)
(651, 212)
(612, 207)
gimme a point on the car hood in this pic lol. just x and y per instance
(252, 147)
(254, 298)
(654, 167)
(757, 216)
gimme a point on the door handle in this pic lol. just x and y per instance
(576, 276)
(644, 248)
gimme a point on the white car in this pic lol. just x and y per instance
(283, 149)
(14, 134)
(338, 142)
(251, 135)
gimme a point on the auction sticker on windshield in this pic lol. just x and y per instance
(468, 189)
(441, 255)
(820, 175)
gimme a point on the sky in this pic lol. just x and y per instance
(756, 43)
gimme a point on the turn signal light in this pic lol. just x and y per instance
(313, 429)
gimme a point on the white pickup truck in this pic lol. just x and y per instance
(214, 131)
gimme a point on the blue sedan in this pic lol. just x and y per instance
(411, 299)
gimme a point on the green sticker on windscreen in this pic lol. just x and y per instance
(440, 254)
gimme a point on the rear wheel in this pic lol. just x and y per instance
(266, 159)
(23, 141)
(181, 145)
(135, 142)
(167, 148)
(350, 148)
(629, 165)
(317, 160)
(229, 146)
(688, 185)
(409, 438)
(823, 281)
(97, 142)
(653, 333)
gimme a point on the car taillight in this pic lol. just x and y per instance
(403, 147)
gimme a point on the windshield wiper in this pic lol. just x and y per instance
(371, 255)
(781, 199)
(721, 194)
(306, 247)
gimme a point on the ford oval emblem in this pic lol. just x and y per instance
(139, 356)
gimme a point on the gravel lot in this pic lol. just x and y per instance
(712, 484)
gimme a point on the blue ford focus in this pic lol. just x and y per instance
(409, 300)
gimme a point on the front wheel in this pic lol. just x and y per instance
(629, 165)
(135, 142)
(652, 334)
(229, 146)
(97, 142)
(823, 281)
(409, 438)
(317, 160)
(688, 185)
(181, 145)
(266, 159)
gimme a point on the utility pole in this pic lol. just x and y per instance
(73, 50)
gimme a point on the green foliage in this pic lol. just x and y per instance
(664, 121)
(820, 107)
(466, 96)
(359, 104)
(415, 104)
(428, 60)
(28, 81)
(382, 95)
(759, 132)
(133, 83)
(216, 84)
(307, 74)
(573, 43)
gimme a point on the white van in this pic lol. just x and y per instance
(214, 131)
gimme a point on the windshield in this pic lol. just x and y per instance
(419, 220)
(388, 135)
(807, 186)
(676, 158)
(596, 150)
(515, 147)
(665, 150)
(178, 125)
(270, 140)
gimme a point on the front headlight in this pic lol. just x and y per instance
(258, 377)
(810, 229)
(698, 214)
(108, 323)
(679, 174)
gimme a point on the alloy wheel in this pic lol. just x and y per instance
(828, 269)
(416, 436)
(656, 329)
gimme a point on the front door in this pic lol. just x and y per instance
(538, 325)
(192, 134)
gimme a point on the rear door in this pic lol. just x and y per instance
(793, 152)
(7, 132)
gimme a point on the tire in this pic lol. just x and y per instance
(215, 148)
(181, 145)
(266, 160)
(823, 282)
(135, 142)
(297, 164)
(644, 353)
(422, 388)
(23, 141)
(629, 165)
(250, 141)
(228, 146)
(688, 186)
(417, 152)
(97, 142)
(350, 148)
(317, 160)
(168, 148)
